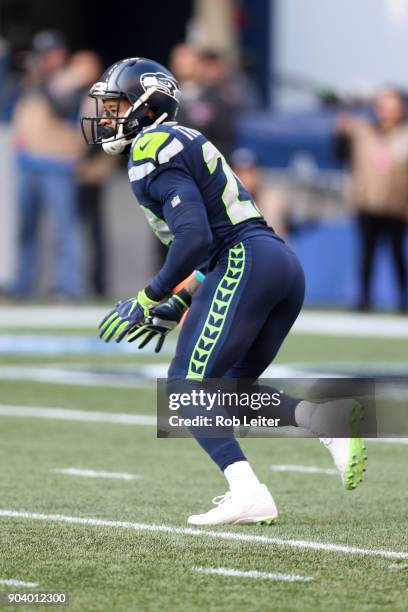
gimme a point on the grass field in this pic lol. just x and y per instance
(122, 544)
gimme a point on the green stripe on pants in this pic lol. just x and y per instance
(218, 313)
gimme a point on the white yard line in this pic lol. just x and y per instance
(303, 469)
(18, 583)
(95, 474)
(398, 566)
(226, 571)
(221, 535)
(65, 414)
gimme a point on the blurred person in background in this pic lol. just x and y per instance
(9, 86)
(94, 169)
(210, 101)
(378, 152)
(13, 54)
(184, 59)
(48, 146)
(271, 201)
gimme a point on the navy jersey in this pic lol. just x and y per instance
(192, 199)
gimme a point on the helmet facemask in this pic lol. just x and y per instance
(114, 140)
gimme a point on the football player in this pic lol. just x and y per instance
(240, 312)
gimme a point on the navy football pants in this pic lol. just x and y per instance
(238, 320)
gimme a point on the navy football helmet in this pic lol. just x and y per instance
(152, 92)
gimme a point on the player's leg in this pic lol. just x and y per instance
(60, 196)
(226, 316)
(322, 419)
(267, 344)
(369, 230)
(203, 339)
(396, 230)
(28, 207)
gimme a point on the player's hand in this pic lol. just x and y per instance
(161, 320)
(125, 316)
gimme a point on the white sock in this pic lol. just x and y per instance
(303, 414)
(241, 477)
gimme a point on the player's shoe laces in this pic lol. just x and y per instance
(349, 453)
(233, 508)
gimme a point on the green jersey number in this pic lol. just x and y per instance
(237, 210)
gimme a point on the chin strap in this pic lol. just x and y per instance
(116, 146)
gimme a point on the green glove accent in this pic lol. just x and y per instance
(161, 321)
(126, 315)
(145, 301)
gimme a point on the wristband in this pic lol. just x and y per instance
(199, 276)
(184, 297)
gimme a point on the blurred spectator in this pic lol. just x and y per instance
(11, 69)
(4, 79)
(48, 146)
(184, 63)
(3, 59)
(271, 201)
(94, 170)
(209, 99)
(378, 151)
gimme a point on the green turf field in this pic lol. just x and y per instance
(351, 546)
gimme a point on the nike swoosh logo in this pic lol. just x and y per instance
(144, 145)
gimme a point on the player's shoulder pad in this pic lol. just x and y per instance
(158, 145)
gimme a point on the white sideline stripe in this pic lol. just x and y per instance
(94, 474)
(51, 316)
(65, 414)
(398, 566)
(12, 582)
(226, 571)
(222, 535)
(67, 344)
(303, 469)
(351, 324)
(316, 322)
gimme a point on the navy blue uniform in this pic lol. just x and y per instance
(254, 286)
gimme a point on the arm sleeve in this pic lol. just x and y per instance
(186, 215)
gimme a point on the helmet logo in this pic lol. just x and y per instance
(161, 81)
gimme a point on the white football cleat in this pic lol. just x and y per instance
(256, 506)
(349, 455)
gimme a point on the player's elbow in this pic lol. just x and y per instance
(202, 241)
(194, 241)
(205, 239)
